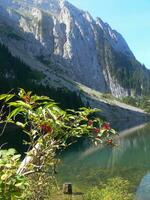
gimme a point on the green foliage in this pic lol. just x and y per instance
(14, 73)
(50, 129)
(140, 102)
(114, 189)
(12, 185)
(131, 101)
(14, 36)
(129, 72)
(144, 103)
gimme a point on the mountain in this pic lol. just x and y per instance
(65, 39)
(53, 48)
(15, 74)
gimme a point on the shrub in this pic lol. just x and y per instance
(114, 189)
(49, 129)
(12, 185)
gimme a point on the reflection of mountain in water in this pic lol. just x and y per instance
(130, 156)
(121, 125)
(122, 155)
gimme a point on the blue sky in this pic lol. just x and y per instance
(129, 17)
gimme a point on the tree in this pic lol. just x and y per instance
(50, 130)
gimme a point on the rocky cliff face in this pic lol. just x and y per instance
(54, 32)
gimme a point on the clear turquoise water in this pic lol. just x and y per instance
(86, 166)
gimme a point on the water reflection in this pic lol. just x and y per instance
(87, 166)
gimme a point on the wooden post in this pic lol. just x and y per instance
(67, 188)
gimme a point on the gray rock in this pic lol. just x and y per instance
(57, 32)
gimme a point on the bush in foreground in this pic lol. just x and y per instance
(49, 129)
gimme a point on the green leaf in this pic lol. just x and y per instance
(8, 165)
(50, 105)
(9, 96)
(16, 157)
(6, 97)
(19, 184)
(72, 117)
(3, 96)
(21, 92)
(70, 111)
(51, 115)
(40, 98)
(20, 103)
(15, 112)
(11, 151)
(57, 109)
(20, 124)
(5, 176)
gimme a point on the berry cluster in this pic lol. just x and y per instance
(46, 128)
(104, 127)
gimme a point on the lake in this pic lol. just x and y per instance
(86, 166)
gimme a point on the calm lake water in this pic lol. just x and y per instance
(86, 166)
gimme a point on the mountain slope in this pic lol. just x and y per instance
(70, 42)
(15, 73)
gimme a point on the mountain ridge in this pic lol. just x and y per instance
(15, 73)
(88, 51)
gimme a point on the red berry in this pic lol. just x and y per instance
(110, 141)
(96, 130)
(46, 128)
(106, 126)
(90, 123)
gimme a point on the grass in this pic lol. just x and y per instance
(120, 184)
(114, 189)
